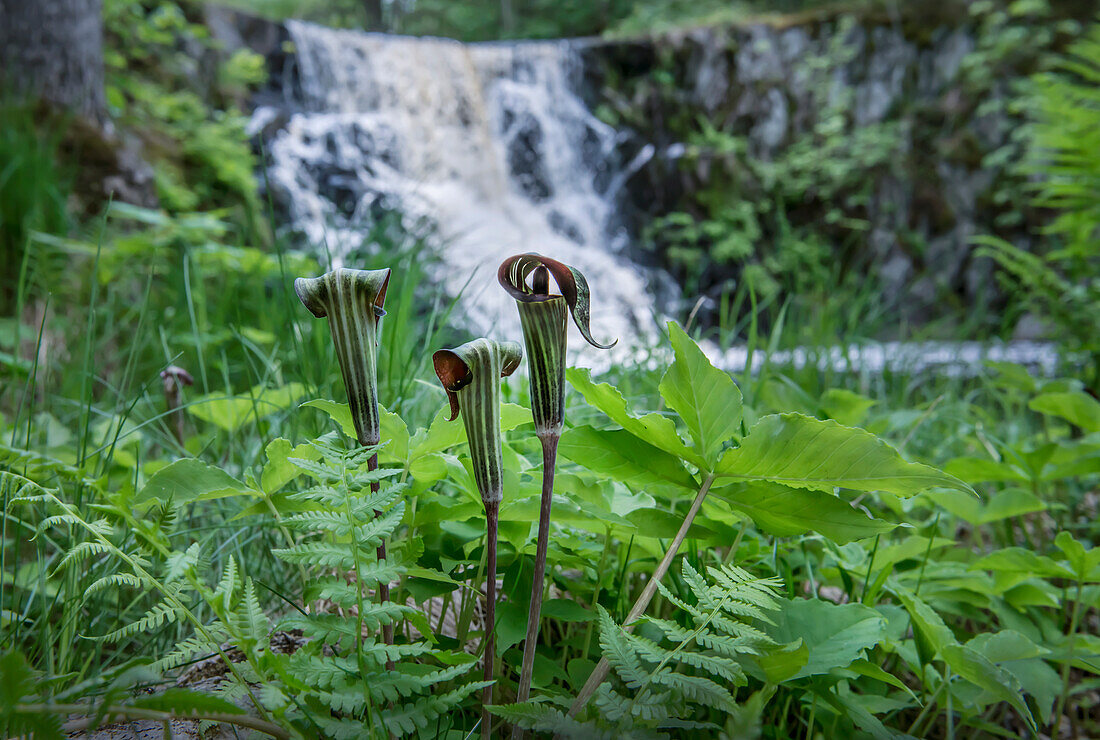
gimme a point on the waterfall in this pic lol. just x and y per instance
(488, 143)
(491, 145)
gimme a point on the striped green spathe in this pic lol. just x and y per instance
(471, 376)
(544, 336)
(352, 300)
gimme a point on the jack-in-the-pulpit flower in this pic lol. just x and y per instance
(526, 277)
(352, 301)
(471, 376)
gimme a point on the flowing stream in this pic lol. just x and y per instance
(491, 146)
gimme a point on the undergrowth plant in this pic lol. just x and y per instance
(808, 613)
(542, 315)
(471, 375)
(662, 682)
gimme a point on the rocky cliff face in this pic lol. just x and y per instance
(872, 149)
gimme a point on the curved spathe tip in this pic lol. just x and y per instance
(526, 277)
(456, 368)
(327, 292)
(454, 375)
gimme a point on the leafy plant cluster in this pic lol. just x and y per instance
(168, 81)
(900, 631)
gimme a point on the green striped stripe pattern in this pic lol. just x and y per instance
(352, 300)
(544, 337)
(478, 396)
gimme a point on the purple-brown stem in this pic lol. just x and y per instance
(549, 458)
(492, 510)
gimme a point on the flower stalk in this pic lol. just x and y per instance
(526, 277)
(352, 302)
(471, 376)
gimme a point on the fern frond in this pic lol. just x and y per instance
(333, 627)
(318, 470)
(698, 689)
(649, 706)
(20, 489)
(337, 728)
(252, 623)
(193, 646)
(227, 586)
(547, 719)
(116, 580)
(159, 615)
(179, 564)
(319, 554)
(394, 685)
(663, 695)
(372, 533)
(619, 652)
(82, 551)
(335, 523)
(409, 718)
(726, 668)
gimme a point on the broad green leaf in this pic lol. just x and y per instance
(781, 664)
(982, 672)
(1076, 407)
(189, 480)
(1009, 503)
(931, 634)
(804, 452)
(1021, 560)
(443, 435)
(1083, 560)
(395, 436)
(705, 397)
(914, 547)
(787, 512)
(982, 470)
(846, 407)
(279, 470)
(566, 611)
(1072, 460)
(853, 705)
(1022, 658)
(431, 574)
(394, 432)
(622, 456)
(665, 525)
(511, 624)
(834, 634)
(873, 670)
(658, 430)
(338, 412)
(232, 412)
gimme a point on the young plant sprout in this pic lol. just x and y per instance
(352, 301)
(175, 378)
(526, 277)
(471, 376)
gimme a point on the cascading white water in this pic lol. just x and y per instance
(487, 142)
